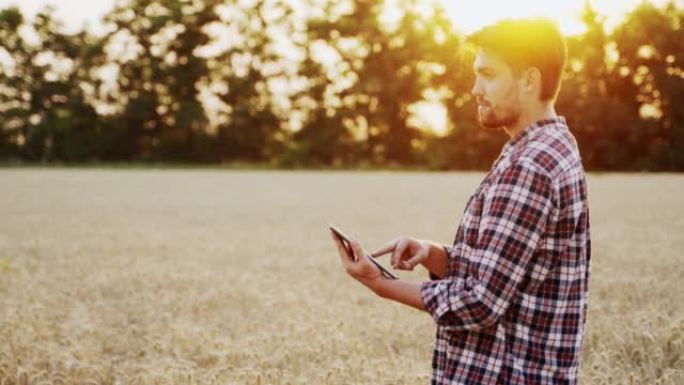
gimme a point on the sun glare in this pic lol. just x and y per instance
(469, 16)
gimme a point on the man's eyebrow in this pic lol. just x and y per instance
(484, 70)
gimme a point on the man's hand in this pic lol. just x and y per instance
(362, 269)
(406, 252)
(357, 265)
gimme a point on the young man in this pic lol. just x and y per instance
(510, 296)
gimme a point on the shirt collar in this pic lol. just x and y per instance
(530, 132)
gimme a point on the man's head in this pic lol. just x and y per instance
(518, 67)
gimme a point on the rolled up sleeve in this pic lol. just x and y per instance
(515, 213)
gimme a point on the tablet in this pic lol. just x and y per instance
(347, 244)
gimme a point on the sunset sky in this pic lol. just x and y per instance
(467, 15)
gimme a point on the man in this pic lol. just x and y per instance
(510, 296)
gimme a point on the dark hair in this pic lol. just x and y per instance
(525, 43)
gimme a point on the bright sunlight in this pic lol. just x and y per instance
(469, 16)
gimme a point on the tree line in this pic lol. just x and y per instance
(325, 84)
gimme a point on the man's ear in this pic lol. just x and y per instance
(531, 80)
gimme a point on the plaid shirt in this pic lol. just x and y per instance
(512, 307)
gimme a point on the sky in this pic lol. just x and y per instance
(74, 13)
(467, 15)
(567, 13)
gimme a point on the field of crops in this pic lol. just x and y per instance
(230, 277)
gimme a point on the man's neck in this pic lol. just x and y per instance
(544, 111)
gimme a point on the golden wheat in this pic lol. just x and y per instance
(230, 277)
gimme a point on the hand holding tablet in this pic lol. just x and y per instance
(347, 244)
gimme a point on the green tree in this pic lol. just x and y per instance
(13, 98)
(162, 116)
(389, 70)
(325, 137)
(651, 52)
(250, 129)
(45, 112)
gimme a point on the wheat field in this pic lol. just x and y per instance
(230, 277)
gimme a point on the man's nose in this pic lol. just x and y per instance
(476, 91)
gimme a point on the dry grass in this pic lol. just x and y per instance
(230, 277)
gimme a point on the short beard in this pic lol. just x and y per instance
(498, 117)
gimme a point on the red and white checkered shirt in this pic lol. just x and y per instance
(512, 306)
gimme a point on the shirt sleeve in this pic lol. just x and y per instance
(514, 216)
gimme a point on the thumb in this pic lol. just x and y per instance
(356, 248)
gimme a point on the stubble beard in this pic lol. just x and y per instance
(501, 116)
